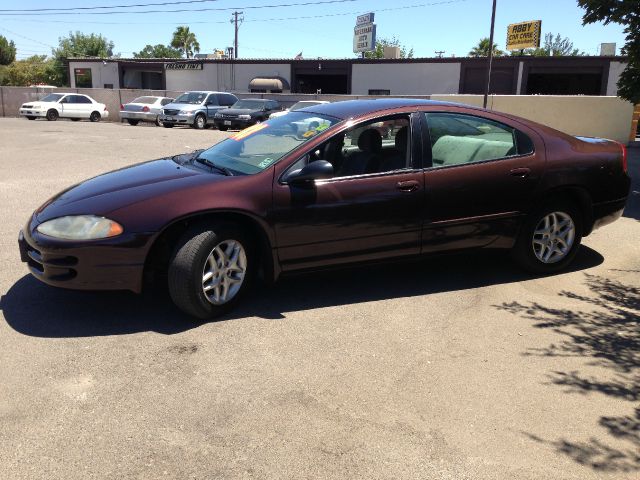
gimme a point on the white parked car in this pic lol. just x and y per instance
(298, 106)
(144, 109)
(65, 105)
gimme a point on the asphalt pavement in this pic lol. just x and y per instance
(451, 368)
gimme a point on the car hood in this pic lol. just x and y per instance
(39, 104)
(239, 111)
(120, 188)
(185, 107)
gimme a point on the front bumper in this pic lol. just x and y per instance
(142, 116)
(27, 112)
(185, 119)
(110, 264)
(234, 123)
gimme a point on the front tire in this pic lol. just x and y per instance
(199, 122)
(52, 115)
(94, 117)
(210, 270)
(222, 128)
(550, 238)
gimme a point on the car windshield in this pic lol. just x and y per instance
(194, 98)
(249, 104)
(256, 148)
(147, 100)
(300, 105)
(52, 97)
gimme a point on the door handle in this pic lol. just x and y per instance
(408, 186)
(520, 172)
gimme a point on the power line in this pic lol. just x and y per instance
(109, 7)
(195, 10)
(26, 38)
(420, 5)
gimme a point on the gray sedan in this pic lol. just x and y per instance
(143, 109)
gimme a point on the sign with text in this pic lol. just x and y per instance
(366, 18)
(183, 66)
(524, 35)
(364, 38)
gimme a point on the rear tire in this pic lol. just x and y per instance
(167, 125)
(222, 128)
(31, 118)
(94, 117)
(550, 238)
(132, 122)
(210, 270)
(52, 115)
(157, 122)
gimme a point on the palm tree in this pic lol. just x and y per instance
(185, 41)
(482, 49)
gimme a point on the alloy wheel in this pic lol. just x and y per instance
(553, 237)
(224, 272)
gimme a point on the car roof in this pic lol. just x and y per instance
(353, 108)
(258, 99)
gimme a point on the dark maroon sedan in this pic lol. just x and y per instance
(320, 187)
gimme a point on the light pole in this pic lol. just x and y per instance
(488, 82)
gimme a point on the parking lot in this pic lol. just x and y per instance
(454, 368)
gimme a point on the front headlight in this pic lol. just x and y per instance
(184, 112)
(218, 115)
(244, 117)
(80, 227)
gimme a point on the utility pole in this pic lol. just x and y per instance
(439, 53)
(488, 83)
(234, 20)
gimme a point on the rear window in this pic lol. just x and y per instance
(147, 100)
(249, 104)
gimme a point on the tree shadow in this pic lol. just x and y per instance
(607, 335)
(34, 309)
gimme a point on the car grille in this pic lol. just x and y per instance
(170, 112)
(27, 106)
(229, 115)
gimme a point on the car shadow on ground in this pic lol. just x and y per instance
(35, 309)
(605, 332)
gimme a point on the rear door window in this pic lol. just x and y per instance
(458, 139)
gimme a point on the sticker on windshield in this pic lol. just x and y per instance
(242, 134)
(265, 163)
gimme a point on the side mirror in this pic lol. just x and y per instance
(314, 171)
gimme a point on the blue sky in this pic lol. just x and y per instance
(454, 26)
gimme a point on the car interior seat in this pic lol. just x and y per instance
(367, 160)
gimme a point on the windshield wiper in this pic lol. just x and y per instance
(220, 168)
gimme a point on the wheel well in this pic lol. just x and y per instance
(581, 198)
(95, 111)
(157, 261)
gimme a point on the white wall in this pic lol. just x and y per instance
(607, 117)
(615, 69)
(100, 73)
(184, 80)
(406, 78)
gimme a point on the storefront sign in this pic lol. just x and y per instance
(183, 66)
(364, 34)
(524, 35)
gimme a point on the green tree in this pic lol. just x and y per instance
(482, 49)
(33, 70)
(627, 13)
(553, 46)
(185, 41)
(158, 51)
(389, 42)
(7, 51)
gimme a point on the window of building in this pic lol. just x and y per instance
(379, 92)
(83, 77)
